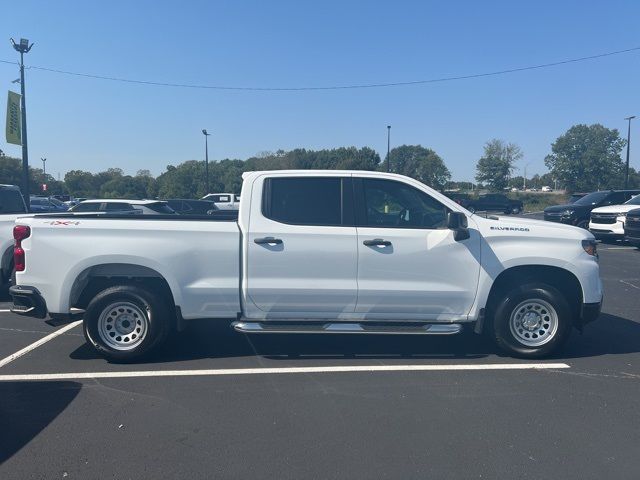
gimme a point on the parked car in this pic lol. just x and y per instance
(12, 206)
(46, 205)
(224, 201)
(459, 198)
(578, 212)
(607, 223)
(632, 228)
(494, 202)
(191, 207)
(314, 252)
(123, 207)
(547, 189)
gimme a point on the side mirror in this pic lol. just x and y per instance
(457, 222)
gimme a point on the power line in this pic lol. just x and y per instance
(332, 87)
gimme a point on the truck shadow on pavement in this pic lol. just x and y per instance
(27, 409)
(610, 334)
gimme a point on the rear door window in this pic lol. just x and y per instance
(118, 207)
(160, 207)
(304, 200)
(87, 207)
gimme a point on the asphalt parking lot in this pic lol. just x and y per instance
(454, 407)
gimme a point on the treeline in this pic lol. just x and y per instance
(187, 180)
(585, 158)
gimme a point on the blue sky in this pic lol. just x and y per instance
(81, 123)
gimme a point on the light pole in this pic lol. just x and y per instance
(626, 172)
(206, 160)
(23, 47)
(44, 167)
(388, 147)
(524, 180)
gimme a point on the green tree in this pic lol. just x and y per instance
(497, 163)
(421, 163)
(587, 157)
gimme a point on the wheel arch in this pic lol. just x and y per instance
(96, 278)
(560, 278)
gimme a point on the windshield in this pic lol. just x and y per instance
(634, 201)
(592, 198)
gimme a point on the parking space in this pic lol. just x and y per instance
(397, 409)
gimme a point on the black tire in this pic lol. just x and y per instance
(516, 210)
(149, 311)
(516, 301)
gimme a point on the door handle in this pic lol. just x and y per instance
(267, 241)
(377, 242)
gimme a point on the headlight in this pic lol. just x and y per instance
(621, 217)
(590, 246)
(567, 213)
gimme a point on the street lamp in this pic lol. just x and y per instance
(206, 159)
(23, 47)
(44, 168)
(388, 147)
(626, 172)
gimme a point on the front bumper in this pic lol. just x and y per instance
(27, 301)
(588, 313)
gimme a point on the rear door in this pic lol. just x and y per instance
(301, 256)
(409, 265)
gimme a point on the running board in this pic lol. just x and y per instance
(343, 327)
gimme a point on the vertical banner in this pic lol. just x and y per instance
(14, 134)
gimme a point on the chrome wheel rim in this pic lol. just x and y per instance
(123, 325)
(533, 322)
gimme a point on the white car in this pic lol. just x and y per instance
(313, 252)
(112, 205)
(608, 222)
(224, 201)
(12, 206)
(547, 189)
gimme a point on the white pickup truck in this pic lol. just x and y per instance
(312, 252)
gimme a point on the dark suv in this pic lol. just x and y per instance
(632, 227)
(578, 212)
(493, 202)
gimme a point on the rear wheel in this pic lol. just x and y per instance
(532, 321)
(125, 323)
(583, 224)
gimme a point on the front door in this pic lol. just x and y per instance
(302, 248)
(409, 265)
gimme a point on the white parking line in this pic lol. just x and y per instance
(38, 343)
(263, 371)
(4, 310)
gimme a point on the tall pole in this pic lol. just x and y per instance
(626, 172)
(388, 147)
(23, 47)
(206, 160)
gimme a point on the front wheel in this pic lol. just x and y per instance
(124, 323)
(532, 321)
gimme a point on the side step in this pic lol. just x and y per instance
(244, 326)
